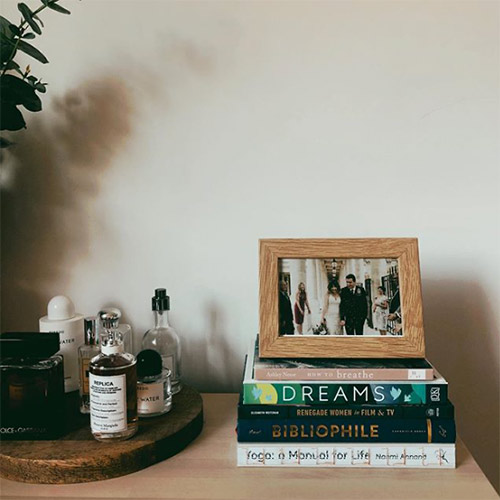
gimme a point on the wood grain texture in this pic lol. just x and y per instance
(410, 345)
(78, 457)
(207, 470)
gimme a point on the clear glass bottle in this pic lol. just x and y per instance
(113, 384)
(163, 338)
(154, 391)
(85, 353)
(123, 328)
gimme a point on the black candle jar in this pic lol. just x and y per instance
(31, 386)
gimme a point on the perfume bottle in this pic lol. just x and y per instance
(85, 353)
(163, 338)
(154, 391)
(123, 328)
(61, 318)
(32, 386)
(113, 384)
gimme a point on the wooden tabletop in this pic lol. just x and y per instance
(206, 470)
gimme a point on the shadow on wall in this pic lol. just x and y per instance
(211, 360)
(56, 167)
(460, 341)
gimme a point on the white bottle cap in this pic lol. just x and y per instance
(60, 307)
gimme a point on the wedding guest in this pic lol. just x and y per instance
(285, 311)
(380, 311)
(301, 303)
(395, 313)
(353, 306)
(331, 309)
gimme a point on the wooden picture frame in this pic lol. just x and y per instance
(405, 250)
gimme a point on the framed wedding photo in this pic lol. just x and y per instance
(340, 298)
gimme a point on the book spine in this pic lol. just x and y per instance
(424, 456)
(350, 431)
(352, 411)
(383, 393)
(351, 374)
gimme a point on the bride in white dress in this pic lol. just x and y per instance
(331, 309)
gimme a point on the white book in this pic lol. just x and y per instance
(389, 455)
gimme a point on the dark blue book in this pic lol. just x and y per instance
(396, 411)
(338, 430)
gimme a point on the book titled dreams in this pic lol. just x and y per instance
(304, 392)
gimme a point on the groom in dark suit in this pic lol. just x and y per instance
(285, 311)
(353, 306)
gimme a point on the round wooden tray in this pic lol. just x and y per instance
(77, 457)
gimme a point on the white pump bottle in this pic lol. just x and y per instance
(61, 318)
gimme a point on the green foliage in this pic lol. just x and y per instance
(19, 87)
(28, 16)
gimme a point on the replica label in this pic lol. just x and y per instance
(108, 403)
(150, 398)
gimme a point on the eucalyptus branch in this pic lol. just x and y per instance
(22, 28)
(21, 90)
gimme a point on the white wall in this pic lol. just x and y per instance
(175, 135)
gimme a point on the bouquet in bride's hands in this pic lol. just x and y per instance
(320, 329)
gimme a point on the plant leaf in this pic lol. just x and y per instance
(28, 36)
(5, 143)
(51, 4)
(6, 48)
(12, 65)
(15, 30)
(41, 88)
(6, 27)
(28, 16)
(11, 118)
(39, 20)
(16, 91)
(58, 8)
(32, 51)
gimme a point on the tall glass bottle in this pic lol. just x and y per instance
(113, 385)
(163, 338)
(85, 353)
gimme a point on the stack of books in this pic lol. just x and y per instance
(344, 413)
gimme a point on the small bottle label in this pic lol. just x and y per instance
(150, 398)
(108, 403)
(84, 375)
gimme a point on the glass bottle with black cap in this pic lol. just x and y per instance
(154, 392)
(163, 338)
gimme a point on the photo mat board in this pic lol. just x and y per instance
(389, 320)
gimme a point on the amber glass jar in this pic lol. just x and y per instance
(32, 386)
